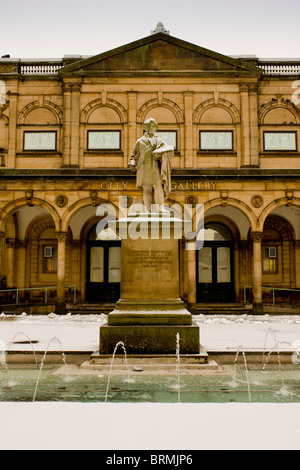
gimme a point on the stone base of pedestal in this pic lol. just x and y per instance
(150, 339)
(148, 312)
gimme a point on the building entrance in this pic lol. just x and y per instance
(215, 266)
(103, 269)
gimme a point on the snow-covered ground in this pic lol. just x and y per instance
(80, 333)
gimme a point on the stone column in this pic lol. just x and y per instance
(254, 148)
(75, 267)
(188, 129)
(21, 267)
(61, 272)
(257, 271)
(297, 263)
(245, 127)
(67, 125)
(2, 236)
(132, 131)
(12, 129)
(11, 256)
(75, 116)
(192, 295)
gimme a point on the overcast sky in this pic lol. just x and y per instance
(54, 28)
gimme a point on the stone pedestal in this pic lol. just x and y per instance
(150, 313)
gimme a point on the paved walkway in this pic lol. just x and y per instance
(78, 333)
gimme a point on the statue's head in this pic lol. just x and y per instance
(150, 123)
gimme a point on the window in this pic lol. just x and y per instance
(280, 141)
(270, 259)
(169, 137)
(104, 140)
(216, 140)
(50, 259)
(39, 141)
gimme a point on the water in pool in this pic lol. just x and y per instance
(25, 384)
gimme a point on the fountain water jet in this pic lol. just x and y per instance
(240, 349)
(120, 343)
(43, 361)
(3, 355)
(21, 333)
(178, 364)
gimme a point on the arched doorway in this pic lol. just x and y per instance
(215, 265)
(103, 277)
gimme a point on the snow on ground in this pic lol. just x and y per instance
(221, 333)
(217, 333)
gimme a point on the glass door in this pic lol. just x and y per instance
(215, 281)
(103, 270)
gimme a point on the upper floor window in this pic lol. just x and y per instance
(280, 141)
(216, 140)
(39, 140)
(104, 140)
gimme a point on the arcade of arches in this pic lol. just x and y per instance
(238, 261)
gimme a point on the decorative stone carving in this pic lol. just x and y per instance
(61, 201)
(257, 237)
(61, 236)
(290, 197)
(192, 200)
(224, 196)
(29, 196)
(160, 29)
(126, 202)
(257, 201)
(93, 196)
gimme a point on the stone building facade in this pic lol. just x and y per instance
(67, 130)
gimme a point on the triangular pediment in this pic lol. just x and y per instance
(160, 53)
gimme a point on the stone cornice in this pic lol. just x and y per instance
(76, 173)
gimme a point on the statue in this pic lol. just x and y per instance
(151, 159)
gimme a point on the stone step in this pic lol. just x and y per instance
(148, 367)
(149, 359)
(135, 370)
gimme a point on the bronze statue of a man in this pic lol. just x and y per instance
(151, 159)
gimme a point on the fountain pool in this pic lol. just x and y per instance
(232, 385)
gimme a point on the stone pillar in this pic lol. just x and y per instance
(257, 271)
(75, 116)
(12, 129)
(61, 271)
(10, 257)
(2, 236)
(297, 263)
(67, 125)
(188, 130)
(132, 131)
(254, 148)
(75, 267)
(245, 127)
(21, 267)
(192, 295)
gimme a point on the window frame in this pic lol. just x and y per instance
(44, 258)
(280, 132)
(118, 131)
(267, 247)
(230, 131)
(39, 132)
